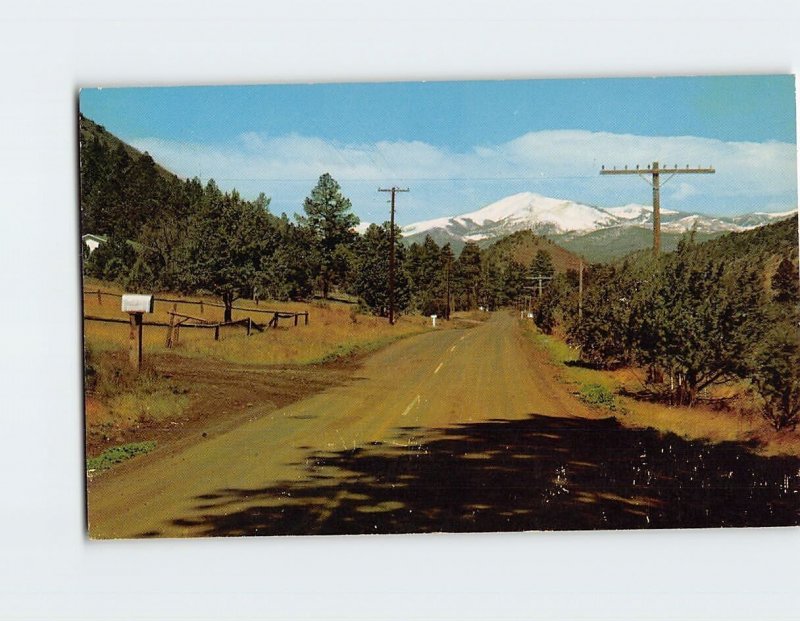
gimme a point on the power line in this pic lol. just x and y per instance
(427, 179)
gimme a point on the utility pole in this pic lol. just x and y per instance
(540, 278)
(447, 308)
(394, 190)
(655, 172)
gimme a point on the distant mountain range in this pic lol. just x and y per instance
(594, 232)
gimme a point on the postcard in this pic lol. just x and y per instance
(376, 308)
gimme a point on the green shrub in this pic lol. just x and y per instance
(117, 454)
(595, 395)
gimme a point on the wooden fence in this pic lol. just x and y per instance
(180, 320)
(273, 322)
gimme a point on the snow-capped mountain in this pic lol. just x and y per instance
(697, 222)
(759, 218)
(635, 214)
(558, 217)
(526, 210)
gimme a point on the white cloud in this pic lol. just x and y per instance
(755, 172)
(682, 191)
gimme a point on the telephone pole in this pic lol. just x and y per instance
(394, 190)
(539, 278)
(447, 307)
(655, 172)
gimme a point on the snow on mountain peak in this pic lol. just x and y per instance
(772, 215)
(553, 216)
(707, 224)
(534, 211)
(634, 211)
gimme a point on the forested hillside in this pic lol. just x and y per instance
(523, 246)
(122, 189)
(717, 312)
(165, 233)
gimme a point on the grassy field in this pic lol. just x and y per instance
(202, 382)
(334, 329)
(735, 422)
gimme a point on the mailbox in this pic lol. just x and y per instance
(137, 303)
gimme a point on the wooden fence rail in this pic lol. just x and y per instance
(273, 323)
(163, 324)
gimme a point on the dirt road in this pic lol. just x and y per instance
(433, 380)
(450, 430)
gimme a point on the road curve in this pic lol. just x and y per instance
(427, 382)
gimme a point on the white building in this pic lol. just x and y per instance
(93, 241)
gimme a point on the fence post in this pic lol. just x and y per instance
(99, 297)
(170, 330)
(201, 307)
(306, 317)
(296, 317)
(216, 332)
(249, 322)
(135, 341)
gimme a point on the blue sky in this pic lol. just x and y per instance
(461, 145)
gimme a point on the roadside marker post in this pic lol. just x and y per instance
(433, 319)
(136, 306)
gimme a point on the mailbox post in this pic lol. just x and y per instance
(136, 306)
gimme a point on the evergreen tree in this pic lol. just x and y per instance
(699, 319)
(776, 376)
(785, 286)
(224, 247)
(426, 273)
(468, 276)
(371, 270)
(604, 335)
(542, 264)
(514, 282)
(329, 217)
(492, 292)
(556, 304)
(111, 260)
(287, 269)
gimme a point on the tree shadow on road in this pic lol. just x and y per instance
(541, 473)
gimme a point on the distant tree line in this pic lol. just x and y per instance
(707, 314)
(180, 235)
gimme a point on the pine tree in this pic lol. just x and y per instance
(785, 286)
(542, 264)
(224, 247)
(603, 334)
(514, 282)
(468, 276)
(329, 217)
(427, 272)
(700, 320)
(776, 375)
(371, 271)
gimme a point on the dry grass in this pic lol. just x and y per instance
(334, 330)
(123, 405)
(701, 422)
